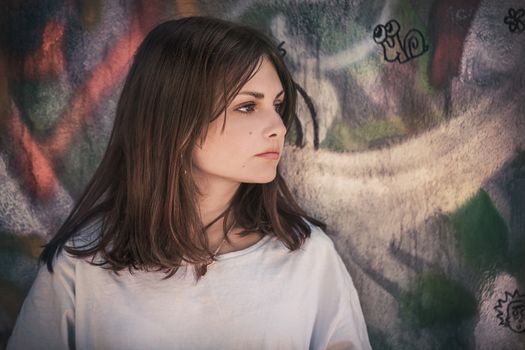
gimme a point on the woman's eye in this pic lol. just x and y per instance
(248, 107)
(251, 107)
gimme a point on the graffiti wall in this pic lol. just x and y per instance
(409, 143)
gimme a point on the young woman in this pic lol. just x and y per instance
(187, 236)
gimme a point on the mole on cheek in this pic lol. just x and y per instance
(250, 132)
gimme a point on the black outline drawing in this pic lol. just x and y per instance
(281, 50)
(313, 114)
(511, 311)
(515, 21)
(309, 104)
(387, 36)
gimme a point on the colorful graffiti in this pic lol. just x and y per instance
(418, 168)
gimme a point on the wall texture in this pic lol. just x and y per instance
(410, 143)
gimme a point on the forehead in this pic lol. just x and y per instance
(264, 76)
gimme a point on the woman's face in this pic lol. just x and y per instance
(253, 126)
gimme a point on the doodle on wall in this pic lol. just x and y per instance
(387, 36)
(511, 311)
(515, 20)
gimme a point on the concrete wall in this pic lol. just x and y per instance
(413, 154)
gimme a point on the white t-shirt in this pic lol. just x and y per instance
(261, 297)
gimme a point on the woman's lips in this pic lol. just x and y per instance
(269, 155)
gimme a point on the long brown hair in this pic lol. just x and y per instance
(184, 75)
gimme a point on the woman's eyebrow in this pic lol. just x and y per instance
(258, 94)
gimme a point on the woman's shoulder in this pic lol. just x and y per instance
(327, 255)
(318, 234)
(319, 240)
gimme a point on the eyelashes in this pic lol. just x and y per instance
(249, 108)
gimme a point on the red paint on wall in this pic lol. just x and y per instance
(35, 168)
(35, 160)
(449, 26)
(48, 60)
(102, 81)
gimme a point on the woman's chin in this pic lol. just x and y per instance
(260, 179)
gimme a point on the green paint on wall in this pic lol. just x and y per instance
(379, 129)
(29, 245)
(327, 24)
(481, 233)
(80, 162)
(291, 134)
(435, 300)
(12, 299)
(42, 105)
(342, 138)
(409, 19)
(259, 16)
(378, 340)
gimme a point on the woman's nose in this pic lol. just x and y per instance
(276, 126)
